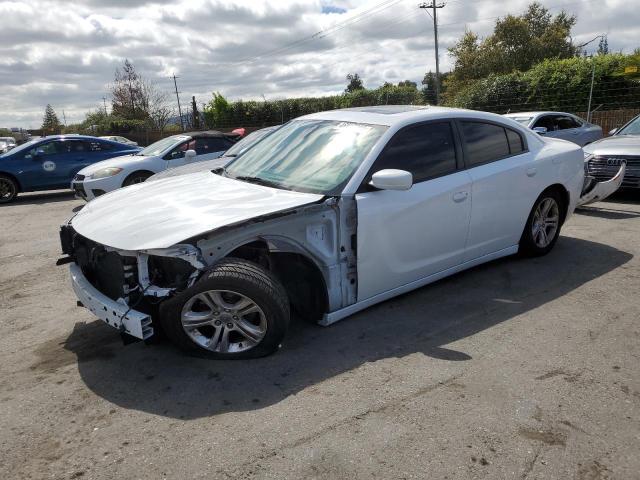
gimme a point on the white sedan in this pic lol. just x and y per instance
(331, 213)
(170, 152)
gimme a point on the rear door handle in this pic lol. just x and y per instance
(531, 172)
(460, 196)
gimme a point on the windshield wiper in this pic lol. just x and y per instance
(260, 181)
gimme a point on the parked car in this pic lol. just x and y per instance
(120, 139)
(559, 125)
(239, 147)
(170, 152)
(604, 158)
(6, 144)
(49, 163)
(330, 214)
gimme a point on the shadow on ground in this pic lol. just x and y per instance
(161, 380)
(41, 198)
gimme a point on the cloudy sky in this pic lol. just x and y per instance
(65, 53)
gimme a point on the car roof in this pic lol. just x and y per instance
(209, 134)
(390, 115)
(70, 137)
(533, 114)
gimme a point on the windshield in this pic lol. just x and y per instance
(631, 128)
(161, 145)
(317, 156)
(24, 146)
(246, 142)
(523, 120)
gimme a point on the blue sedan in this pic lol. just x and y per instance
(50, 163)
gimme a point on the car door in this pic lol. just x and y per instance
(41, 166)
(505, 185)
(405, 236)
(176, 158)
(75, 154)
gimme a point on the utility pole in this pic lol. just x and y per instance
(104, 102)
(64, 118)
(175, 84)
(434, 7)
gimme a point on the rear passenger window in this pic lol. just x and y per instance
(211, 145)
(515, 141)
(426, 151)
(484, 142)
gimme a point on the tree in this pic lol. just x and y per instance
(218, 112)
(516, 44)
(603, 46)
(355, 83)
(129, 95)
(50, 123)
(408, 84)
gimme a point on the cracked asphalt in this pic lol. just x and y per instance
(521, 368)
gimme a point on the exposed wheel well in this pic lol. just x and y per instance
(14, 178)
(564, 195)
(300, 276)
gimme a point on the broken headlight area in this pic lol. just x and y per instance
(170, 273)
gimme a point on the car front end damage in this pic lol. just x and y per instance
(124, 288)
(310, 249)
(599, 186)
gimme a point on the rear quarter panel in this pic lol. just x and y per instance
(562, 162)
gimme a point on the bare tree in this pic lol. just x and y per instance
(157, 106)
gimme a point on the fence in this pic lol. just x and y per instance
(610, 119)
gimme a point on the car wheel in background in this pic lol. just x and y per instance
(236, 310)
(8, 189)
(136, 177)
(542, 229)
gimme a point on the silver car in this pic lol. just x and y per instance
(604, 157)
(559, 125)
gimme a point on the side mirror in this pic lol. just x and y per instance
(540, 130)
(613, 131)
(391, 179)
(189, 155)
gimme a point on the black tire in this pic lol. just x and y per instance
(136, 177)
(243, 278)
(8, 189)
(529, 247)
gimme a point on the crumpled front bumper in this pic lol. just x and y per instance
(115, 313)
(598, 191)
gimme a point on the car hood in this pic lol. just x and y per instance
(121, 161)
(191, 168)
(162, 213)
(615, 145)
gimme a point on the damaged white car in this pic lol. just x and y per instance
(328, 215)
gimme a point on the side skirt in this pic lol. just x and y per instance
(332, 317)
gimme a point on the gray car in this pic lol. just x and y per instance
(239, 147)
(559, 125)
(604, 157)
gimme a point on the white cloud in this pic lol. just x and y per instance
(65, 53)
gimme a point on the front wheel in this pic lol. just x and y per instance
(543, 225)
(136, 177)
(237, 310)
(8, 189)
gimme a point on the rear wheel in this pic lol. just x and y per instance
(136, 177)
(543, 225)
(8, 189)
(237, 310)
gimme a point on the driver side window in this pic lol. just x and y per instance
(547, 122)
(50, 148)
(178, 152)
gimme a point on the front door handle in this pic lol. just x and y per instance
(531, 172)
(460, 196)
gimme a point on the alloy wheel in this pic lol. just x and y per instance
(223, 321)
(545, 224)
(7, 190)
